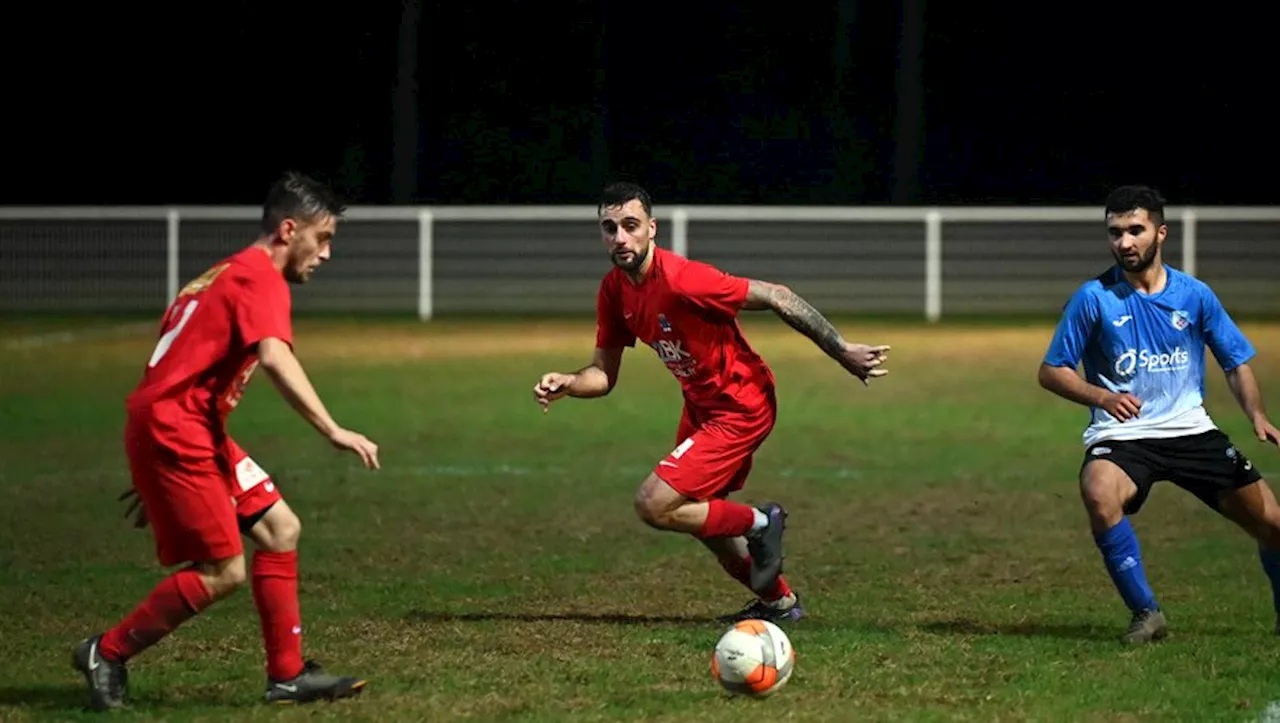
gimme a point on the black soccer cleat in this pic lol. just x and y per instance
(107, 679)
(766, 549)
(775, 612)
(313, 684)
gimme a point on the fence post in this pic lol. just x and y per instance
(425, 252)
(933, 265)
(680, 232)
(172, 276)
(1189, 241)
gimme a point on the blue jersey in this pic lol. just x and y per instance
(1151, 346)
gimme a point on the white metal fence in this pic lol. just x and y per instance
(548, 259)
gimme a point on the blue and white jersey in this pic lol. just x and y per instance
(1151, 346)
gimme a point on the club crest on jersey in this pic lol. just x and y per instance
(664, 324)
(1180, 319)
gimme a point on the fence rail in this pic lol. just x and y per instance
(445, 259)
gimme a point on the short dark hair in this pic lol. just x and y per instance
(297, 196)
(618, 194)
(1126, 199)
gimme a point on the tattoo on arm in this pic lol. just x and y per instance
(799, 315)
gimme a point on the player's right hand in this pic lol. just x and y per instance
(863, 360)
(1122, 405)
(136, 508)
(346, 439)
(550, 388)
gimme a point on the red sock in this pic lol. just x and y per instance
(275, 592)
(727, 519)
(177, 598)
(740, 569)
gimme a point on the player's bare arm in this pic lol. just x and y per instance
(860, 360)
(1066, 383)
(277, 359)
(1244, 386)
(594, 380)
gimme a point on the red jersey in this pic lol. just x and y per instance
(207, 351)
(687, 312)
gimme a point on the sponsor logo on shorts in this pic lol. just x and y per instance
(249, 474)
(679, 451)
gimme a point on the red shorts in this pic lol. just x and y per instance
(714, 450)
(195, 507)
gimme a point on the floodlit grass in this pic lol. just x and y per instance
(494, 569)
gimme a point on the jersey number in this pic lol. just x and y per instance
(166, 341)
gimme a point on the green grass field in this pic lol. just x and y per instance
(494, 569)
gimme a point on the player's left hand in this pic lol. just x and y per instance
(551, 387)
(362, 446)
(863, 361)
(1266, 431)
(136, 508)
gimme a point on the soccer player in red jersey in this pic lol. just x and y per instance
(687, 312)
(196, 487)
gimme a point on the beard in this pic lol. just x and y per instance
(1136, 265)
(634, 264)
(296, 271)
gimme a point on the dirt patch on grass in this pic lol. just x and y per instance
(919, 343)
(382, 343)
(391, 344)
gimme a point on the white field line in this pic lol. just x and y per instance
(68, 336)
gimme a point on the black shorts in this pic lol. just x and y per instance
(247, 523)
(1204, 464)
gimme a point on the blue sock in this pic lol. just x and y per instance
(1271, 565)
(1119, 547)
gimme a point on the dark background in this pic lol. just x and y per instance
(508, 102)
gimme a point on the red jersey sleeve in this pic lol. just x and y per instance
(611, 328)
(710, 289)
(262, 309)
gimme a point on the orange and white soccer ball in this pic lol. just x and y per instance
(753, 658)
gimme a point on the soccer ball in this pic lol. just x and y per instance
(753, 658)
